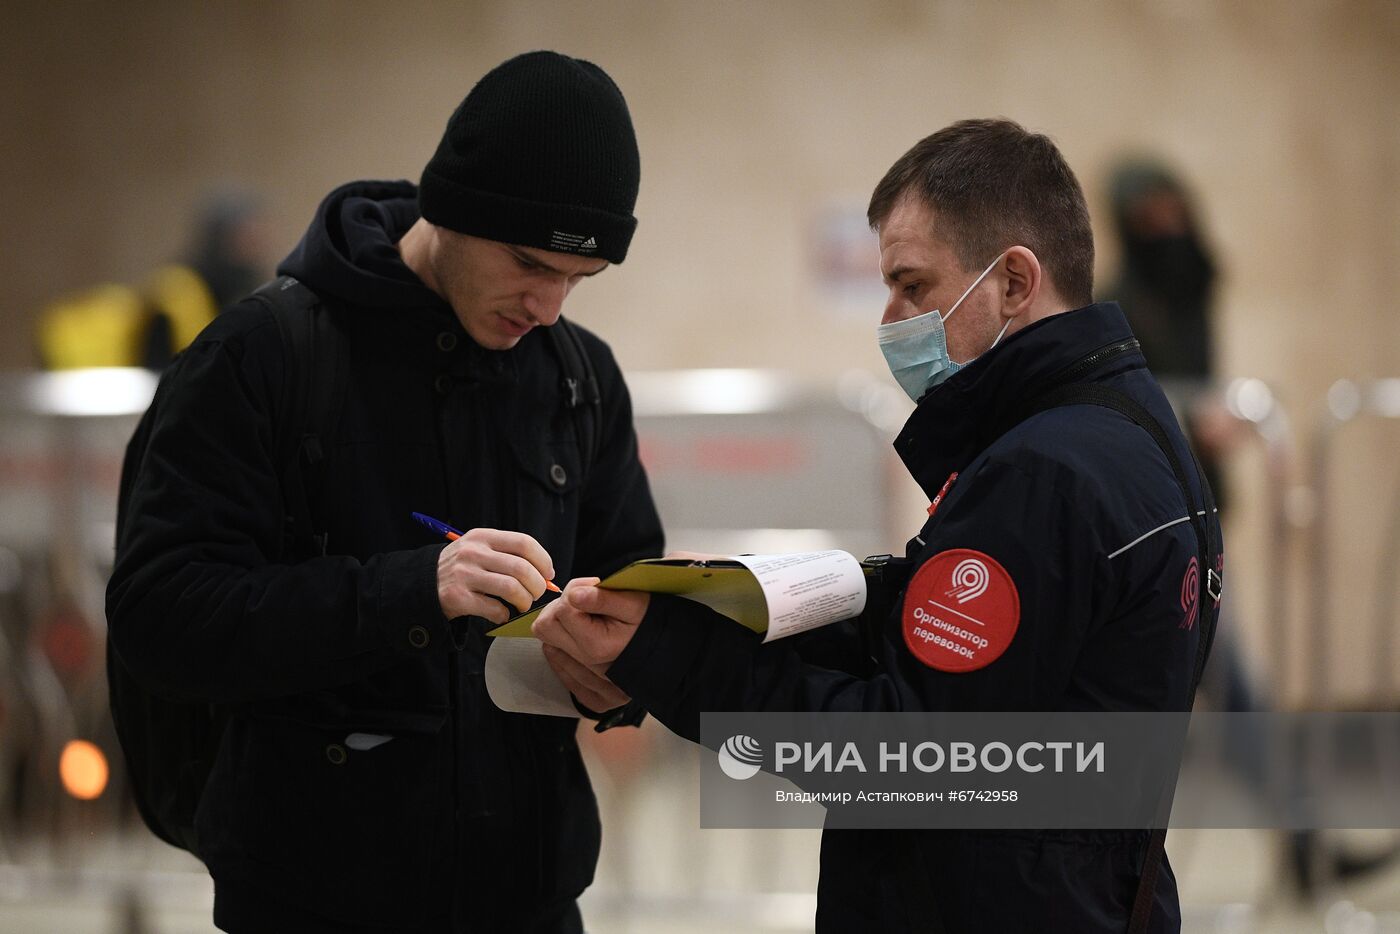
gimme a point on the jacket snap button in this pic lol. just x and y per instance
(558, 475)
(335, 753)
(447, 341)
(418, 637)
(443, 384)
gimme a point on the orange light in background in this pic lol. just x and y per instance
(83, 769)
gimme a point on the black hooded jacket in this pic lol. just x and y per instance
(468, 818)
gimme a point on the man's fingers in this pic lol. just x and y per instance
(578, 670)
(626, 606)
(465, 583)
(584, 682)
(549, 629)
(578, 582)
(489, 583)
(567, 677)
(518, 544)
(592, 640)
(480, 556)
(492, 563)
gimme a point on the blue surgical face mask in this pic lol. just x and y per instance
(916, 349)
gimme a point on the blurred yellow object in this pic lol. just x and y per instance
(83, 769)
(182, 294)
(102, 326)
(107, 325)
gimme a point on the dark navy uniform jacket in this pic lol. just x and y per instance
(1075, 510)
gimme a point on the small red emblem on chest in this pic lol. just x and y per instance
(933, 506)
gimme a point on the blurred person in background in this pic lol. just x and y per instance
(230, 255)
(232, 249)
(1166, 284)
(1166, 287)
(362, 780)
(147, 324)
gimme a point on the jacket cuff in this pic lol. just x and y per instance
(665, 648)
(409, 613)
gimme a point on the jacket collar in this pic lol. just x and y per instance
(950, 426)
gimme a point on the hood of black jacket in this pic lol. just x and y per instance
(956, 421)
(349, 251)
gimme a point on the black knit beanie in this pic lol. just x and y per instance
(541, 153)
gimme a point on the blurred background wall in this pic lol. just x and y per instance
(756, 120)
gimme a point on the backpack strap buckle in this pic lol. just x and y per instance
(573, 392)
(579, 392)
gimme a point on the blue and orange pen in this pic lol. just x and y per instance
(442, 528)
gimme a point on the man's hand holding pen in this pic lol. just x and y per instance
(486, 572)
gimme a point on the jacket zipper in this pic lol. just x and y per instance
(1099, 357)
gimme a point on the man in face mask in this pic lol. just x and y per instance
(916, 347)
(921, 269)
(1072, 537)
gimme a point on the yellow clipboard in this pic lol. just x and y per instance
(727, 587)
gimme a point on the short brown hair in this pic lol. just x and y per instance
(995, 185)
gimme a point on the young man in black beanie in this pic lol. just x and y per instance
(363, 780)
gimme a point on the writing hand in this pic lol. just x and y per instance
(486, 564)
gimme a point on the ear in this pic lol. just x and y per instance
(1024, 280)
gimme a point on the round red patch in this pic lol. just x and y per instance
(961, 611)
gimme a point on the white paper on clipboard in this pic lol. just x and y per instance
(808, 589)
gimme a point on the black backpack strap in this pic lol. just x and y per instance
(328, 377)
(314, 385)
(582, 394)
(1209, 582)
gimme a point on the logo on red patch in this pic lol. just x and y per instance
(961, 611)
